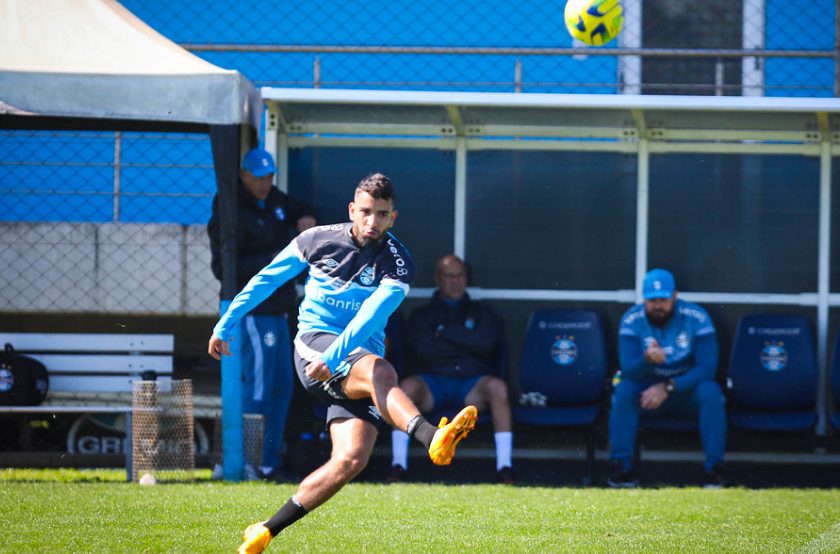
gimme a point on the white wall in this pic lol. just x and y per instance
(114, 268)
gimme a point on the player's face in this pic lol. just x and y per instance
(660, 310)
(371, 217)
(452, 279)
(258, 187)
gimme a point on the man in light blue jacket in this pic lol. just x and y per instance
(668, 354)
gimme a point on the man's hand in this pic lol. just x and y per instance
(318, 370)
(305, 222)
(654, 354)
(653, 396)
(217, 347)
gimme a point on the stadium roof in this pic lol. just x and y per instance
(95, 59)
(404, 114)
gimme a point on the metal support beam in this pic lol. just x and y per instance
(277, 142)
(640, 123)
(228, 144)
(281, 178)
(517, 76)
(824, 126)
(117, 174)
(460, 197)
(454, 113)
(823, 282)
(836, 50)
(507, 51)
(642, 211)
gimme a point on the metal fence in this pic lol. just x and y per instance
(108, 222)
(758, 47)
(104, 222)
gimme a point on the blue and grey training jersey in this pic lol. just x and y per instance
(350, 291)
(688, 340)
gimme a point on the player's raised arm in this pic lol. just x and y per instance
(372, 315)
(285, 266)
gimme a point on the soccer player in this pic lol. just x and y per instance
(358, 275)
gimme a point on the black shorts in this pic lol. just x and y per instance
(307, 349)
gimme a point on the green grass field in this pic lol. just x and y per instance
(71, 511)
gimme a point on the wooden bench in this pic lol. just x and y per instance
(94, 373)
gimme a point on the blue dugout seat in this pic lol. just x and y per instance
(562, 372)
(773, 372)
(835, 382)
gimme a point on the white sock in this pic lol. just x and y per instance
(399, 448)
(504, 449)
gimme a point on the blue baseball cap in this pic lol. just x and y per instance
(258, 162)
(659, 283)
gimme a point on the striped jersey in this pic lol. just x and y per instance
(351, 290)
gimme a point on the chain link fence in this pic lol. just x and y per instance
(771, 47)
(114, 222)
(106, 222)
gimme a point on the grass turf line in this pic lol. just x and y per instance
(78, 511)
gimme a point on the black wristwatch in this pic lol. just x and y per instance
(670, 386)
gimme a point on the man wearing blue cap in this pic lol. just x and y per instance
(266, 221)
(668, 356)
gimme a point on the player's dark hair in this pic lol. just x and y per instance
(378, 185)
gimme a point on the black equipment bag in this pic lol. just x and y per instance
(23, 380)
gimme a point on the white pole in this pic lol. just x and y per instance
(630, 67)
(823, 284)
(276, 141)
(752, 68)
(460, 196)
(642, 211)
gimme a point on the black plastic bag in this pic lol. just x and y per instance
(23, 379)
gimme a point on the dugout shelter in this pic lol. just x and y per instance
(597, 172)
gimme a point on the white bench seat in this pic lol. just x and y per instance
(94, 373)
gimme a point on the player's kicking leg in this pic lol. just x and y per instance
(371, 378)
(375, 378)
(353, 440)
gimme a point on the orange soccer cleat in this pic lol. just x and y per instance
(448, 435)
(255, 539)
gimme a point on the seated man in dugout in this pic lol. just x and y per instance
(668, 355)
(455, 343)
